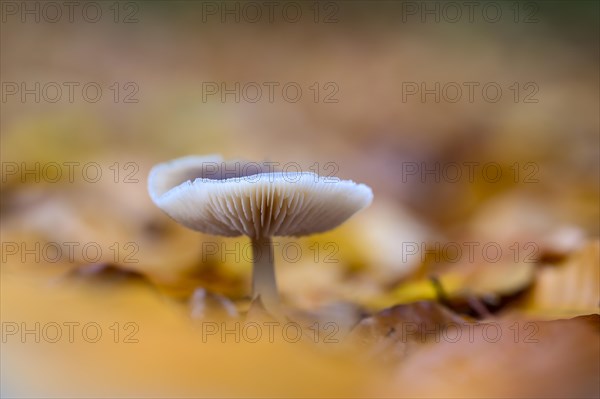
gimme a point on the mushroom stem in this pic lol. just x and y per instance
(264, 284)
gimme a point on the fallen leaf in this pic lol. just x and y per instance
(569, 288)
(511, 358)
(394, 333)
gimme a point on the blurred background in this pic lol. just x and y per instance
(471, 122)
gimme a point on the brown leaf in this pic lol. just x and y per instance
(570, 288)
(513, 358)
(395, 332)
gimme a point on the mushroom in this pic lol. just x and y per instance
(207, 194)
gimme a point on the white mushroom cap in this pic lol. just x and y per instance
(198, 192)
